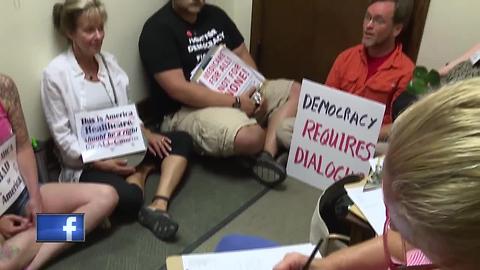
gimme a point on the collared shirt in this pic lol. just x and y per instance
(349, 73)
(64, 93)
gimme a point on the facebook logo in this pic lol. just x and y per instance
(60, 228)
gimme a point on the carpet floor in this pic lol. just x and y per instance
(213, 192)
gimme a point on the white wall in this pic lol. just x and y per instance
(240, 11)
(242, 16)
(452, 28)
(28, 43)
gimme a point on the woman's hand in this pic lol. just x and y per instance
(296, 261)
(117, 166)
(292, 261)
(13, 224)
(34, 207)
(158, 144)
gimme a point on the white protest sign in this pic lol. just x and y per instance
(222, 70)
(109, 133)
(11, 182)
(335, 134)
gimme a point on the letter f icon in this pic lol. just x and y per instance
(69, 228)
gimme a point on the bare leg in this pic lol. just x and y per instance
(249, 140)
(96, 201)
(140, 175)
(172, 170)
(155, 216)
(266, 169)
(19, 250)
(289, 109)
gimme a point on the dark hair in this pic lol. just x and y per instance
(65, 14)
(403, 10)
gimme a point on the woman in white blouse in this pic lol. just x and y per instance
(85, 79)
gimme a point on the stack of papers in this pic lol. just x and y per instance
(370, 204)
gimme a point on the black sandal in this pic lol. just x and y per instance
(158, 221)
(267, 171)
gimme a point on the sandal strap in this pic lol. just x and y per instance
(160, 197)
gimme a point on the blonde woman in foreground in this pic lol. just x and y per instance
(431, 188)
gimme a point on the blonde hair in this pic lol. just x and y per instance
(65, 14)
(433, 162)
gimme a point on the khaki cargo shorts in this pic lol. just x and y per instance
(214, 129)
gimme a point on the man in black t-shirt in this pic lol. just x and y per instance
(172, 42)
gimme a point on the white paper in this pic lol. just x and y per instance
(11, 181)
(376, 163)
(255, 259)
(371, 204)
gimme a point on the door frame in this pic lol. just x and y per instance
(415, 29)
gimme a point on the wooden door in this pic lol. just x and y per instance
(301, 39)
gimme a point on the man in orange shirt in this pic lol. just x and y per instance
(376, 69)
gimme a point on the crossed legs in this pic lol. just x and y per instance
(266, 169)
(96, 201)
(252, 139)
(289, 109)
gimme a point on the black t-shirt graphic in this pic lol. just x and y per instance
(169, 42)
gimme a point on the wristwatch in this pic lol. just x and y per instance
(237, 103)
(257, 98)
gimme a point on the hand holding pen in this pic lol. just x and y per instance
(297, 261)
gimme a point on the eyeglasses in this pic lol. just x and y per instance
(376, 20)
(404, 256)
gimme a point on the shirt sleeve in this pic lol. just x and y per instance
(158, 49)
(333, 78)
(56, 115)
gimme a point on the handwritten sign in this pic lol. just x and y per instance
(11, 182)
(109, 133)
(335, 134)
(222, 70)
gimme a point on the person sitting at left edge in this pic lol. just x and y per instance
(17, 231)
(85, 79)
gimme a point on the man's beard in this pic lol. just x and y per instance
(369, 42)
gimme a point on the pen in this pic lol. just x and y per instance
(312, 256)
